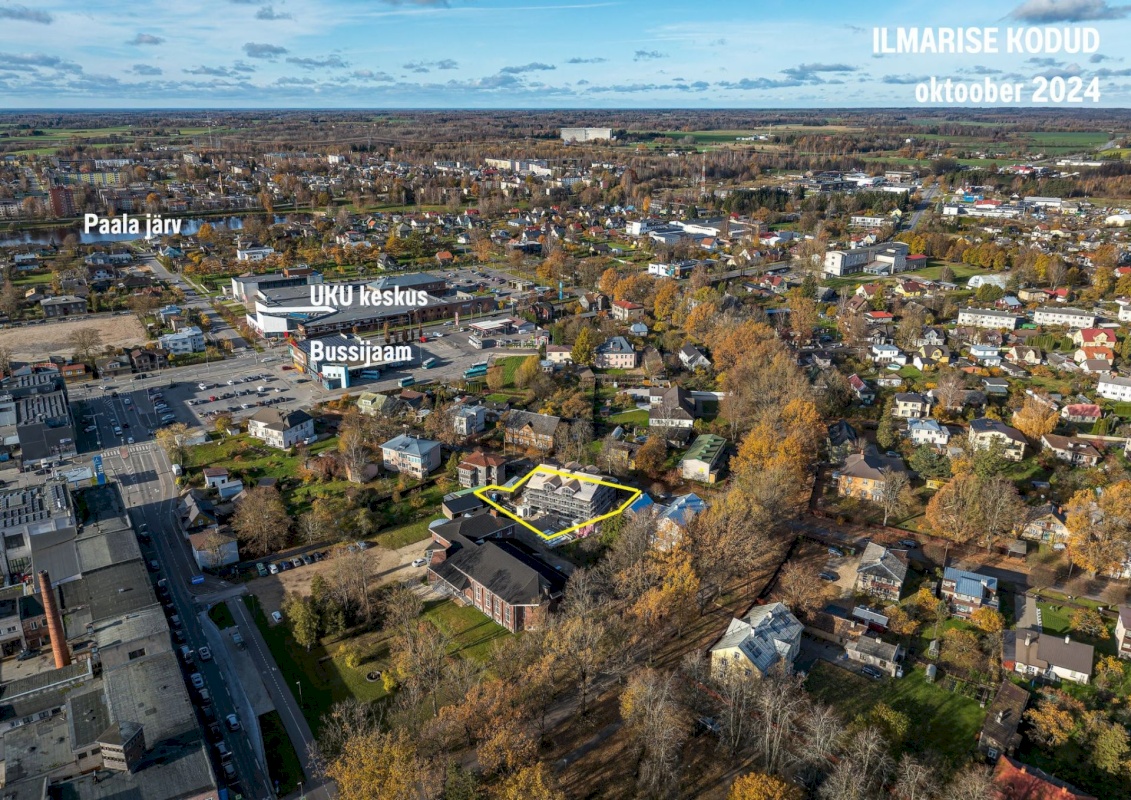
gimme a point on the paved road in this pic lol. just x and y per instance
(923, 206)
(149, 490)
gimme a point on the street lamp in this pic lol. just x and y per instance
(299, 685)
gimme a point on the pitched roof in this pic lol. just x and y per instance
(869, 466)
(542, 424)
(763, 635)
(412, 445)
(502, 568)
(1004, 715)
(880, 562)
(1016, 781)
(278, 420)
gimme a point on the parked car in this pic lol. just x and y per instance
(872, 672)
(261, 568)
(909, 543)
(205, 654)
(829, 576)
(197, 680)
(273, 568)
(277, 617)
(296, 562)
(419, 562)
(836, 551)
(233, 722)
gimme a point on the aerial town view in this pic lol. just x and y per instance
(424, 400)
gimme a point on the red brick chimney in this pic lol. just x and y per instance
(54, 622)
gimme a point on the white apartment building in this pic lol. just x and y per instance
(186, 340)
(880, 259)
(1068, 317)
(987, 318)
(1118, 389)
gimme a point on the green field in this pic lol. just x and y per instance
(473, 633)
(637, 417)
(1056, 620)
(941, 721)
(405, 535)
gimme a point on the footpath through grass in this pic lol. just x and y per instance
(282, 761)
(942, 721)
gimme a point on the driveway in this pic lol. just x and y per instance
(1025, 610)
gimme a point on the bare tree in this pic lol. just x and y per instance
(261, 520)
(86, 342)
(975, 782)
(893, 491)
(658, 724)
(914, 780)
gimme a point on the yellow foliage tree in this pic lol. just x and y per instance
(666, 299)
(608, 282)
(760, 786)
(1035, 418)
(377, 764)
(529, 783)
(1099, 526)
(700, 320)
(988, 619)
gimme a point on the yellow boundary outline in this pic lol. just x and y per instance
(481, 493)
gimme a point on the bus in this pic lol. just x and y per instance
(406, 382)
(477, 370)
(428, 363)
(370, 374)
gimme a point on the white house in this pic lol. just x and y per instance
(985, 354)
(411, 454)
(767, 635)
(1114, 388)
(928, 431)
(1050, 657)
(281, 429)
(888, 354)
(987, 318)
(212, 549)
(254, 253)
(469, 419)
(186, 340)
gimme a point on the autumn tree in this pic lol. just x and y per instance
(894, 492)
(86, 343)
(665, 301)
(1050, 725)
(657, 723)
(378, 764)
(760, 786)
(651, 456)
(802, 590)
(802, 315)
(988, 620)
(1089, 622)
(528, 370)
(584, 350)
(496, 377)
(1035, 418)
(171, 439)
(1099, 526)
(533, 782)
(261, 520)
(608, 282)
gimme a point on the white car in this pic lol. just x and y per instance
(420, 562)
(130, 440)
(197, 680)
(205, 654)
(233, 722)
(277, 617)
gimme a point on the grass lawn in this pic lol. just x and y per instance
(1057, 620)
(472, 632)
(397, 538)
(638, 417)
(220, 614)
(282, 762)
(323, 673)
(961, 271)
(249, 457)
(510, 367)
(940, 720)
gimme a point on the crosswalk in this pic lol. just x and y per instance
(115, 452)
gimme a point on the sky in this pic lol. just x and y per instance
(518, 53)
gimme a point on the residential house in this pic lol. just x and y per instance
(1081, 413)
(1000, 736)
(996, 387)
(195, 511)
(965, 592)
(1094, 337)
(928, 431)
(1111, 388)
(530, 431)
(888, 354)
(214, 549)
(506, 582)
(1123, 632)
(148, 360)
(671, 408)
(863, 474)
(559, 354)
(482, 469)
(671, 520)
(881, 572)
(909, 405)
(1091, 353)
(1048, 657)
(281, 429)
(931, 337)
(765, 636)
(1024, 354)
(411, 455)
(468, 420)
(186, 340)
(985, 354)
(875, 652)
(1047, 524)
(841, 436)
(937, 353)
(627, 311)
(380, 405)
(864, 393)
(985, 431)
(1074, 450)
(1013, 780)
(703, 461)
(615, 353)
(692, 358)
